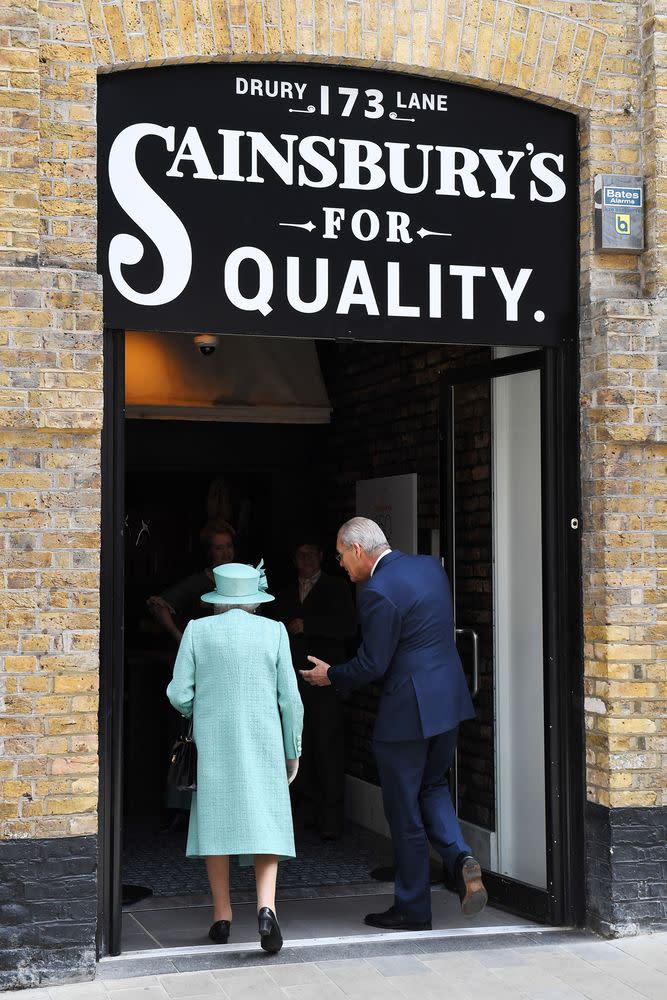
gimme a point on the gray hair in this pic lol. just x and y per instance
(219, 609)
(365, 533)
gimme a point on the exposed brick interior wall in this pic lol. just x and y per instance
(385, 422)
(473, 441)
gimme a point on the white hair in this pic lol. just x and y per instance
(219, 609)
(365, 533)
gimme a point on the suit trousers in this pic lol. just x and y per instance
(419, 808)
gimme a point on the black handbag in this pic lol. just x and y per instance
(182, 773)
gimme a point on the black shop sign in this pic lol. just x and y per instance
(326, 202)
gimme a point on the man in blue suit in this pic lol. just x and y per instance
(408, 641)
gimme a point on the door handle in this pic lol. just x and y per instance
(475, 656)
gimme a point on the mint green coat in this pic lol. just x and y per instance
(234, 673)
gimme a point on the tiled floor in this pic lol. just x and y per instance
(326, 912)
(576, 967)
(157, 860)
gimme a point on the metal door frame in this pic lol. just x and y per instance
(563, 901)
(112, 603)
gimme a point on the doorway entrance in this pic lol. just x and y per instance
(485, 437)
(504, 527)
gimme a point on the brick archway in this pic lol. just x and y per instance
(495, 44)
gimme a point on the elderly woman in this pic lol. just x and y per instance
(234, 675)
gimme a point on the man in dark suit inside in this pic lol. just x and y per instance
(318, 612)
(408, 640)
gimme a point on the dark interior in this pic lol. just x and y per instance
(280, 479)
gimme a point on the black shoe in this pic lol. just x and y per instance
(219, 931)
(393, 920)
(271, 939)
(469, 885)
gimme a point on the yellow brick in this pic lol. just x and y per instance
(513, 60)
(533, 35)
(67, 684)
(354, 31)
(153, 32)
(15, 705)
(71, 804)
(186, 24)
(93, 11)
(24, 480)
(628, 798)
(452, 40)
(85, 786)
(20, 727)
(14, 789)
(20, 664)
(51, 704)
(636, 726)
(631, 653)
(85, 703)
(76, 764)
(483, 49)
(57, 725)
(28, 808)
(117, 36)
(81, 826)
(52, 744)
(36, 683)
(563, 55)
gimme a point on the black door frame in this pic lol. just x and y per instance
(112, 609)
(563, 901)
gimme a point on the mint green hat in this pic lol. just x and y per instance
(236, 583)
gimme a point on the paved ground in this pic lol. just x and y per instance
(578, 968)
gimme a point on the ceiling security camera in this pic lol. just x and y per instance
(206, 343)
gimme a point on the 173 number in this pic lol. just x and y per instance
(373, 101)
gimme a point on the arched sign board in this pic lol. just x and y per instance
(322, 202)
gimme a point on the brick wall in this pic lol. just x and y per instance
(626, 861)
(625, 501)
(605, 61)
(50, 394)
(474, 593)
(385, 422)
(48, 910)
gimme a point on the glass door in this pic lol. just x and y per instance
(496, 554)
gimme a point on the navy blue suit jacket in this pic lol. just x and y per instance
(407, 628)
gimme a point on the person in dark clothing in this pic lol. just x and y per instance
(318, 612)
(407, 621)
(181, 601)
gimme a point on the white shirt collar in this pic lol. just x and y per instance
(381, 556)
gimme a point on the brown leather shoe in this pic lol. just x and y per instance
(472, 893)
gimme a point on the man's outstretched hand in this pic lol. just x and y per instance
(318, 676)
